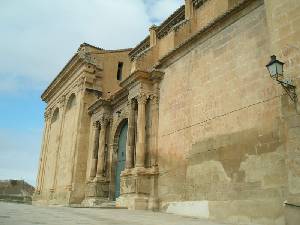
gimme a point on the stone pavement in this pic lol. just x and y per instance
(19, 214)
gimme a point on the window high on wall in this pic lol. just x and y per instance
(119, 73)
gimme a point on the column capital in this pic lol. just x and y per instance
(62, 101)
(154, 99)
(130, 103)
(142, 98)
(47, 114)
(104, 120)
(96, 124)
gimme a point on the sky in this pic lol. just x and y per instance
(37, 38)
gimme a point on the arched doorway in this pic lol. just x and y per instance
(121, 157)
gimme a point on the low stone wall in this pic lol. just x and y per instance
(17, 191)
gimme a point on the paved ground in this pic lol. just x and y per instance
(19, 214)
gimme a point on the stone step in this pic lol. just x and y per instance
(95, 203)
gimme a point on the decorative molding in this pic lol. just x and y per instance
(198, 3)
(96, 124)
(154, 99)
(62, 102)
(161, 31)
(142, 46)
(104, 120)
(142, 98)
(170, 22)
(48, 114)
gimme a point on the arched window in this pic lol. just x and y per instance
(71, 101)
(55, 115)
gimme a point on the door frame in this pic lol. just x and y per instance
(114, 156)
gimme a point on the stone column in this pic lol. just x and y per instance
(101, 152)
(95, 148)
(154, 129)
(141, 131)
(130, 136)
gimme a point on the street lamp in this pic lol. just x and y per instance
(275, 68)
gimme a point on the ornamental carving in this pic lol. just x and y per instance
(104, 120)
(48, 114)
(62, 101)
(96, 124)
(198, 3)
(154, 99)
(142, 98)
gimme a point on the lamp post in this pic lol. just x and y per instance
(275, 68)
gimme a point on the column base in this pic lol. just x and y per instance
(96, 193)
(137, 189)
(133, 202)
(97, 202)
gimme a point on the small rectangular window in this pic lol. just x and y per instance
(120, 68)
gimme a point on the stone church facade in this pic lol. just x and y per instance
(188, 121)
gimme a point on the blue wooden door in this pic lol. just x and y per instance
(121, 158)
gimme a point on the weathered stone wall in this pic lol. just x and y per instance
(284, 29)
(65, 159)
(15, 191)
(50, 157)
(221, 133)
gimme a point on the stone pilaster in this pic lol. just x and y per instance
(141, 131)
(62, 110)
(44, 150)
(95, 148)
(153, 36)
(130, 135)
(77, 137)
(189, 9)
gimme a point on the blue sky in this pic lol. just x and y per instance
(36, 39)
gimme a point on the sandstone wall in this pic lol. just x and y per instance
(221, 135)
(50, 157)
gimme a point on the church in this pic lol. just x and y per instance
(195, 120)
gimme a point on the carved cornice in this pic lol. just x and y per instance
(170, 22)
(79, 60)
(198, 3)
(134, 77)
(100, 103)
(161, 31)
(142, 46)
(62, 102)
(119, 98)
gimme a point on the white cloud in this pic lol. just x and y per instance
(38, 37)
(160, 9)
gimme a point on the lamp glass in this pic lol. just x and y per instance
(279, 68)
(273, 70)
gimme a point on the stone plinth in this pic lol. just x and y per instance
(136, 187)
(96, 193)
